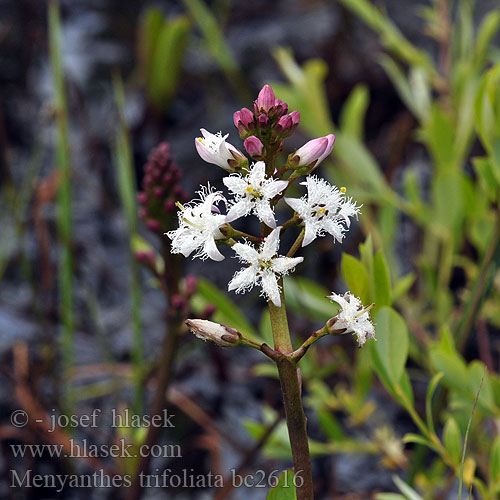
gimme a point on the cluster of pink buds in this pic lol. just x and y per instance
(161, 190)
(269, 124)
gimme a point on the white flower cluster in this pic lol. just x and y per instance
(325, 209)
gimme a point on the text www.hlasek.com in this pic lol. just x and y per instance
(82, 449)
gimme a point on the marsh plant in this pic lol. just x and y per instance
(206, 227)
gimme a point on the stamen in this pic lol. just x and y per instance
(179, 205)
(191, 223)
(343, 189)
(365, 309)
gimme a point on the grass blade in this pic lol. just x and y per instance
(128, 189)
(64, 223)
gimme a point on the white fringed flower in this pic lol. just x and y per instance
(253, 193)
(325, 208)
(352, 318)
(213, 148)
(199, 223)
(264, 266)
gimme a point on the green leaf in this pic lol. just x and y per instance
(438, 133)
(266, 369)
(356, 277)
(409, 492)
(406, 389)
(428, 399)
(285, 489)
(361, 164)
(486, 400)
(167, 59)
(447, 199)
(353, 112)
(452, 439)
(391, 347)
(330, 425)
(418, 439)
(149, 28)
(402, 286)
(495, 461)
(307, 298)
(453, 368)
(389, 496)
(381, 281)
(216, 44)
(485, 33)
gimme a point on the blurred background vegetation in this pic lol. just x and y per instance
(412, 92)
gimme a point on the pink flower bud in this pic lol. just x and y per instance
(263, 121)
(191, 283)
(146, 257)
(157, 192)
(265, 100)
(177, 302)
(280, 107)
(313, 152)
(153, 225)
(142, 198)
(244, 121)
(328, 150)
(295, 116)
(254, 146)
(169, 206)
(208, 311)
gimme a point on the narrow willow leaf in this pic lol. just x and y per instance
(452, 439)
(495, 461)
(356, 277)
(392, 342)
(353, 112)
(431, 389)
(381, 281)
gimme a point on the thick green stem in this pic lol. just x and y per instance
(292, 399)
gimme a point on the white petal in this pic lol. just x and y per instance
(335, 229)
(204, 152)
(297, 204)
(274, 188)
(258, 173)
(239, 209)
(271, 244)
(235, 184)
(265, 213)
(270, 288)
(282, 265)
(246, 252)
(243, 279)
(309, 235)
(210, 248)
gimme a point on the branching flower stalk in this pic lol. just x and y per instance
(257, 189)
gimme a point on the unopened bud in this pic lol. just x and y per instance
(254, 147)
(312, 153)
(244, 121)
(265, 100)
(177, 302)
(215, 332)
(191, 284)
